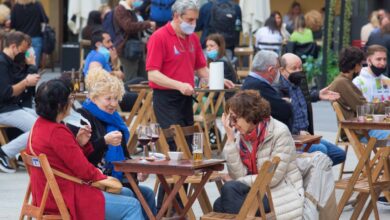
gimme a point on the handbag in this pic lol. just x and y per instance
(110, 185)
(134, 49)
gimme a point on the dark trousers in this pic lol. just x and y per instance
(170, 108)
(233, 194)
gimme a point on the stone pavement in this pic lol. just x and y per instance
(13, 186)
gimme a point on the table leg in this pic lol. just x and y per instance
(171, 195)
(198, 189)
(140, 196)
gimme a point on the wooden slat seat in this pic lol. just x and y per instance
(225, 216)
(362, 185)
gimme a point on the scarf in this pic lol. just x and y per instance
(114, 122)
(254, 139)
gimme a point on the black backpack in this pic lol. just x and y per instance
(223, 18)
(49, 40)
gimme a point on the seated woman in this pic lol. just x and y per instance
(109, 132)
(273, 34)
(261, 138)
(216, 52)
(301, 34)
(68, 154)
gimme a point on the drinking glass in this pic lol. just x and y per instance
(155, 134)
(387, 114)
(144, 137)
(361, 112)
(197, 146)
(369, 112)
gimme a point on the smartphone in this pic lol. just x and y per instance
(42, 72)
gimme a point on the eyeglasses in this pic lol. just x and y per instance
(233, 118)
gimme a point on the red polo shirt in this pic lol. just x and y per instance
(173, 56)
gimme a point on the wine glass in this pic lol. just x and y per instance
(144, 136)
(155, 134)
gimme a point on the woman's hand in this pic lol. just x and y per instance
(113, 138)
(229, 130)
(142, 176)
(83, 135)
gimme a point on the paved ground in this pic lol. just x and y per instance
(13, 186)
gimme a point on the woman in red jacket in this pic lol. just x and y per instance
(68, 154)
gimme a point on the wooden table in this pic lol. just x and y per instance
(351, 126)
(308, 140)
(181, 168)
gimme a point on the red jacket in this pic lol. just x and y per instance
(65, 154)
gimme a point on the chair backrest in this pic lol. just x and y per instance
(180, 134)
(260, 188)
(30, 210)
(340, 117)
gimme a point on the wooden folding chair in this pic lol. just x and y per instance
(254, 200)
(3, 135)
(367, 179)
(32, 211)
(339, 141)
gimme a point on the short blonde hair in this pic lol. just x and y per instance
(100, 82)
(25, 2)
(313, 20)
(5, 13)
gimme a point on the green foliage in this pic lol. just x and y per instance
(332, 67)
(313, 67)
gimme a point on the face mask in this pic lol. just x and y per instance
(106, 53)
(277, 78)
(187, 28)
(377, 71)
(296, 78)
(137, 4)
(212, 54)
(354, 75)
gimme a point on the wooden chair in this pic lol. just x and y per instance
(242, 52)
(369, 179)
(32, 211)
(3, 135)
(339, 141)
(179, 135)
(254, 199)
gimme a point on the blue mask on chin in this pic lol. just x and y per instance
(212, 54)
(137, 4)
(106, 53)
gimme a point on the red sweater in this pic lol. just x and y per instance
(65, 154)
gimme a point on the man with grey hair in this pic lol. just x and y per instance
(264, 73)
(174, 55)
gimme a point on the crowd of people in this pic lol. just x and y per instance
(274, 102)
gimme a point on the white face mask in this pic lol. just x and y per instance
(277, 78)
(187, 28)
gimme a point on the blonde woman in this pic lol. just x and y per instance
(370, 26)
(109, 132)
(314, 22)
(27, 17)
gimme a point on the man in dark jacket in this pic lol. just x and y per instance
(265, 71)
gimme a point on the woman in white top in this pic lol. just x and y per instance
(366, 29)
(273, 34)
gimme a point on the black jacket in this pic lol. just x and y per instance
(97, 139)
(280, 109)
(28, 18)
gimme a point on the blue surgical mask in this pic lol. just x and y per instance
(212, 54)
(187, 28)
(106, 53)
(137, 4)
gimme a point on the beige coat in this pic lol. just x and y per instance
(286, 185)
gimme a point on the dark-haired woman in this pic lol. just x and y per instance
(273, 34)
(94, 23)
(68, 155)
(259, 138)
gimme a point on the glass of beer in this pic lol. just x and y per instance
(387, 114)
(361, 112)
(197, 146)
(369, 112)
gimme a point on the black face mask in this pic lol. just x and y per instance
(354, 75)
(296, 78)
(20, 58)
(378, 71)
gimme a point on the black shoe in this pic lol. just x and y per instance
(4, 164)
(382, 200)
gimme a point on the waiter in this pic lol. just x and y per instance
(174, 55)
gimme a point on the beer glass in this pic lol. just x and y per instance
(369, 112)
(197, 146)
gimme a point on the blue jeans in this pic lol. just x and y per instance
(150, 199)
(378, 134)
(37, 43)
(123, 206)
(336, 154)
